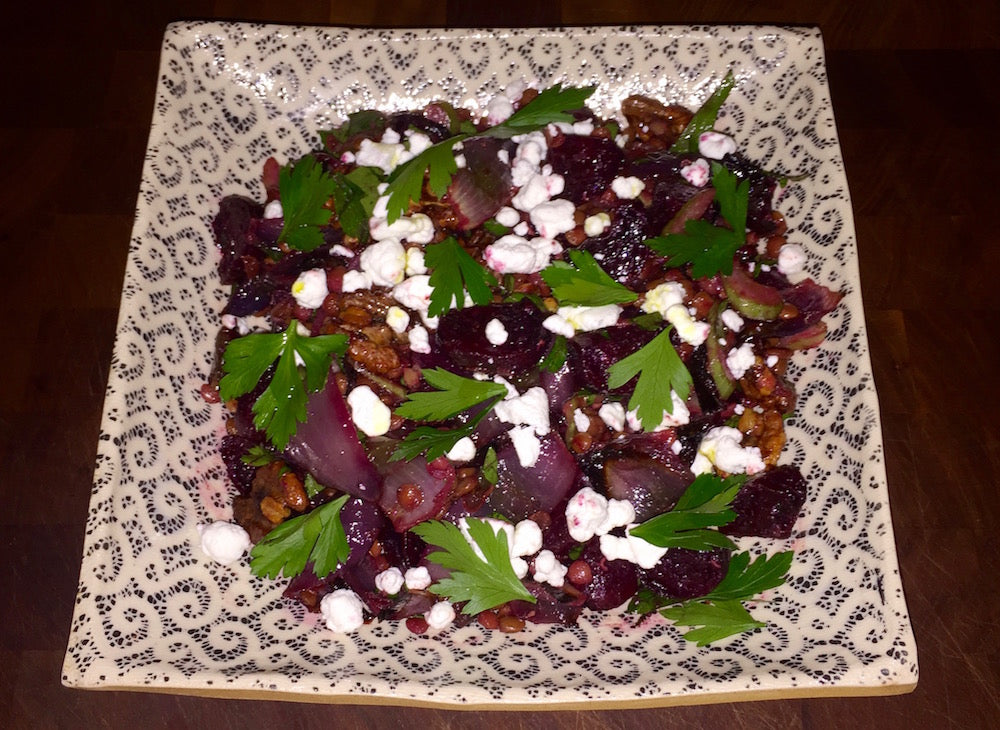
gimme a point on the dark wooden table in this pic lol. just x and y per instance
(915, 92)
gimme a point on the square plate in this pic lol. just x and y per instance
(154, 614)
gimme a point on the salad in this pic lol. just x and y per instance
(508, 368)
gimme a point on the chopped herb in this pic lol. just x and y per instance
(453, 395)
(660, 370)
(710, 249)
(354, 199)
(304, 190)
(317, 536)
(707, 502)
(258, 456)
(282, 405)
(714, 621)
(704, 119)
(453, 272)
(482, 584)
(584, 283)
(489, 468)
(497, 229)
(311, 486)
(744, 579)
(556, 357)
(554, 104)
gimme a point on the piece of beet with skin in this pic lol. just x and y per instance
(768, 504)
(683, 573)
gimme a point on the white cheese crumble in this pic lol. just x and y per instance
(581, 420)
(390, 581)
(739, 360)
(513, 254)
(680, 417)
(385, 156)
(343, 611)
(589, 513)
(369, 414)
(414, 292)
(688, 328)
(771, 361)
(384, 262)
(417, 579)
(224, 542)
(419, 340)
(631, 548)
(569, 320)
(397, 319)
(310, 288)
(732, 319)
(720, 447)
(507, 216)
(791, 259)
(340, 250)
(553, 217)
(496, 333)
(527, 538)
(463, 450)
(538, 189)
(549, 570)
(595, 225)
(697, 173)
(715, 145)
(440, 615)
(529, 409)
(613, 415)
(273, 210)
(415, 261)
(662, 297)
(627, 188)
(355, 280)
(526, 445)
(417, 228)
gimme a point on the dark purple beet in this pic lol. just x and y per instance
(401, 121)
(482, 187)
(547, 608)
(240, 474)
(249, 298)
(232, 235)
(461, 335)
(307, 582)
(620, 250)
(559, 386)
(812, 300)
(360, 578)
(669, 191)
(588, 164)
(590, 354)
(613, 582)
(414, 491)
(683, 573)
(363, 522)
(522, 491)
(768, 504)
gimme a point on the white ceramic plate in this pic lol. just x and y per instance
(153, 613)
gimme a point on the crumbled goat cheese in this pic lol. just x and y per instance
(498, 110)
(720, 447)
(613, 415)
(463, 450)
(355, 280)
(273, 210)
(440, 616)
(417, 579)
(419, 340)
(589, 513)
(537, 190)
(771, 361)
(390, 581)
(512, 254)
(527, 539)
(595, 225)
(507, 216)
(384, 262)
(688, 328)
(549, 570)
(397, 319)
(414, 292)
(556, 324)
(697, 173)
(381, 155)
(581, 420)
(662, 297)
(740, 359)
(631, 548)
(715, 145)
(224, 542)
(791, 259)
(496, 333)
(343, 611)
(310, 289)
(582, 319)
(526, 445)
(554, 217)
(528, 409)
(628, 188)
(339, 250)
(415, 265)
(369, 414)
(732, 320)
(417, 228)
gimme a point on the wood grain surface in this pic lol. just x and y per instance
(914, 88)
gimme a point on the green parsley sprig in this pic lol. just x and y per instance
(282, 405)
(482, 584)
(453, 272)
(710, 249)
(706, 503)
(438, 161)
(317, 536)
(305, 188)
(584, 282)
(704, 119)
(354, 198)
(660, 370)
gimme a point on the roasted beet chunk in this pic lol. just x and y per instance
(403, 121)
(613, 581)
(588, 165)
(461, 334)
(683, 573)
(768, 504)
(232, 235)
(240, 473)
(620, 248)
(590, 354)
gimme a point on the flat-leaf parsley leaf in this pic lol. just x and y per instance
(305, 189)
(452, 395)
(317, 536)
(706, 503)
(453, 272)
(483, 582)
(660, 370)
(584, 283)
